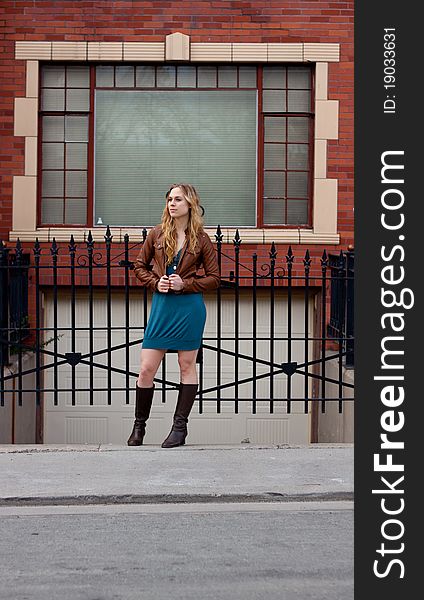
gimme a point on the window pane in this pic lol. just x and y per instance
(53, 76)
(53, 156)
(124, 76)
(53, 129)
(274, 183)
(52, 183)
(76, 129)
(104, 76)
(286, 164)
(299, 78)
(76, 156)
(299, 101)
(297, 212)
(53, 100)
(207, 138)
(274, 211)
(273, 101)
(76, 184)
(78, 77)
(275, 129)
(186, 77)
(52, 211)
(247, 77)
(275, 156)
(77, 100)
(274, 77)
(76, 211)
(165, 76)
(298, 158)
(297, 185)
(206, 77)
(298, 129)
(145, 76)
(227, 76)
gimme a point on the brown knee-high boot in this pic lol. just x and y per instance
(143, 404)
(178, 434)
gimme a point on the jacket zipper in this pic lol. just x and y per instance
(183, 249)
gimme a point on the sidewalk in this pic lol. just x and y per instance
(119, 474)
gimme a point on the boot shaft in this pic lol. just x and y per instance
(186, 397)
(143, 402)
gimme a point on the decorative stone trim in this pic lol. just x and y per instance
(33, 50)
(31, 156)
(24, 211)
(26, 121)
(32, 71)
(69, 50)
(320, 159)
(177, 47)
(105, 51)
(248, 236)
(321, 52)
(325, 206)
(326, 119)
(250, 52)
(211, 52)
(285, 52)
(321, 81)
(144, 51)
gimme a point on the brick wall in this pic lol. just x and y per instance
(205, 21)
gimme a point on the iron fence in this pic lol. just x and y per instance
(284, 359)
(341, 323)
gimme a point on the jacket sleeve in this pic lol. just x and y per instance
(211, 279)
(142, 262)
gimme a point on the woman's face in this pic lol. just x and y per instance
(177, 204)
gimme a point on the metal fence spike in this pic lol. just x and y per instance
(54, 250)
(237, 238)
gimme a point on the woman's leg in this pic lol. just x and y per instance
(144, 389)
(187, 363)
(186, 396)
(150, 361)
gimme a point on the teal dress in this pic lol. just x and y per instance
(176, 321)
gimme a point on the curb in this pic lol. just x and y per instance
(172, 499)
(99, 448)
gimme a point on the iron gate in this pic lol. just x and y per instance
(325, 280)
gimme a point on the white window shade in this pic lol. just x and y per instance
(147, 140)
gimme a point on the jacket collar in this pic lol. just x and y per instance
(160, 237)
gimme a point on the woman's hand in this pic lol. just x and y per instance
(175, 283)
(163, 284)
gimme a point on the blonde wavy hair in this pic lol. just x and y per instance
(194, 225)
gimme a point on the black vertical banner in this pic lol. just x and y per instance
(389, 324)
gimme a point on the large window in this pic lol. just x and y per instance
(241, 134)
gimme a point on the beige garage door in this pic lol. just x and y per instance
(103, 423)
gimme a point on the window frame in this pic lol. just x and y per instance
(260, 149)
(64, 113)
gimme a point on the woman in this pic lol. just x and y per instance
(178, 247)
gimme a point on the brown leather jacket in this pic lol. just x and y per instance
(190, 262)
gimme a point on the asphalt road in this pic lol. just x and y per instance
(278, 551)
